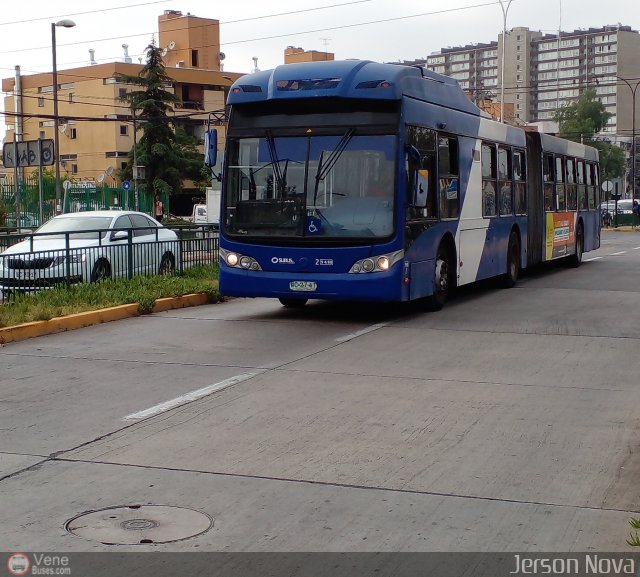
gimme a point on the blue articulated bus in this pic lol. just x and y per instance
(360, 181)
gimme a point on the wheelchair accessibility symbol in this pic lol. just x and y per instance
(313, 225)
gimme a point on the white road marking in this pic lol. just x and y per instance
(617, 253)
(636, 248)
(192, 396)
(362, 332)
(593, 258)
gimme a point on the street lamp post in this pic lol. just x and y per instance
(56, 143)
(504, 42)
(633, 133)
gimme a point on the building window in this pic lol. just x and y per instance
(42, 135)
(122, 92)
(72, 133)
(124, 130)
(40, 101)
(194, 58)
(74, 169)
(71, 96)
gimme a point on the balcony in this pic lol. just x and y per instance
(190, 105)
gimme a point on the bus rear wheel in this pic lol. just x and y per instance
(442, 284)
(513, 261)
(575, 260)
(293, 303)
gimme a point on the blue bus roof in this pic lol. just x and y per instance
(361, 79)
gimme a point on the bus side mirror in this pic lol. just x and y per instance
(211, 147)
(421, 188)
(419, 178)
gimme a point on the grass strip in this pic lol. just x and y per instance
(65, 300)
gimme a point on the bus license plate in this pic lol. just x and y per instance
(303, 285)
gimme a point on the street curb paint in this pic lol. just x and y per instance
(89, 318)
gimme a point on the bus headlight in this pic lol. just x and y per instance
(379, 263)
(235, 260)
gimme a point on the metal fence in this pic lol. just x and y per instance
(44, 261)
(31, 203)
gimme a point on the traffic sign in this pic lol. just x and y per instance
(607, 185)
(27, 153)
(126, 185)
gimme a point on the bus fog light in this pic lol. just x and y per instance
(245, 262)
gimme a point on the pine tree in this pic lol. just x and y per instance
(168, 160)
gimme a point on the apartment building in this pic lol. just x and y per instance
(96, 129)
(543, 72)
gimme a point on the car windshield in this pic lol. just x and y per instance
(85, 227)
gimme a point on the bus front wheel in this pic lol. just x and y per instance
(441, 281)
(293, 303)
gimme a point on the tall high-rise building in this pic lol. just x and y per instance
(543, 72)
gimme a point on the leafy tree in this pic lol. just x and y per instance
(612, 159)
(581, 120)
(167, 155)
(193, 167)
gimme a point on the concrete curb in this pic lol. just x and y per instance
(86, 319)
(620, 229)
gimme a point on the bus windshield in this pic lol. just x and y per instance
(327, 186)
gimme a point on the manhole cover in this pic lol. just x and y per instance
(139, 524)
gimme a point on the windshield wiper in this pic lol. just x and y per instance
(324, 170)
(277, 172)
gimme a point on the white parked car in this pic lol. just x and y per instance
(89, 247)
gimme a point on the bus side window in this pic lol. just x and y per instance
(591, 190)
(582, 189)
(421, 173)
(519, 182)
(488, 180)
(547, 177)
(572, 198)
(505, 175)
(561, 198)
(449, 177)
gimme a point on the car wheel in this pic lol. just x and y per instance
(293, 303)
(167, 264)
(575, 260)
(101, 271)
(513, 261)
(442, 281)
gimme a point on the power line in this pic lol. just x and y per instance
(298, 33)
(84, 13)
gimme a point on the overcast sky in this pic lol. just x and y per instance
(381, 30)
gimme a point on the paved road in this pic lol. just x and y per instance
(506, 422)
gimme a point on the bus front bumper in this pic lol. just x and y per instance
(379, 286)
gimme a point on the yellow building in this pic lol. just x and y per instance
(95, 126)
